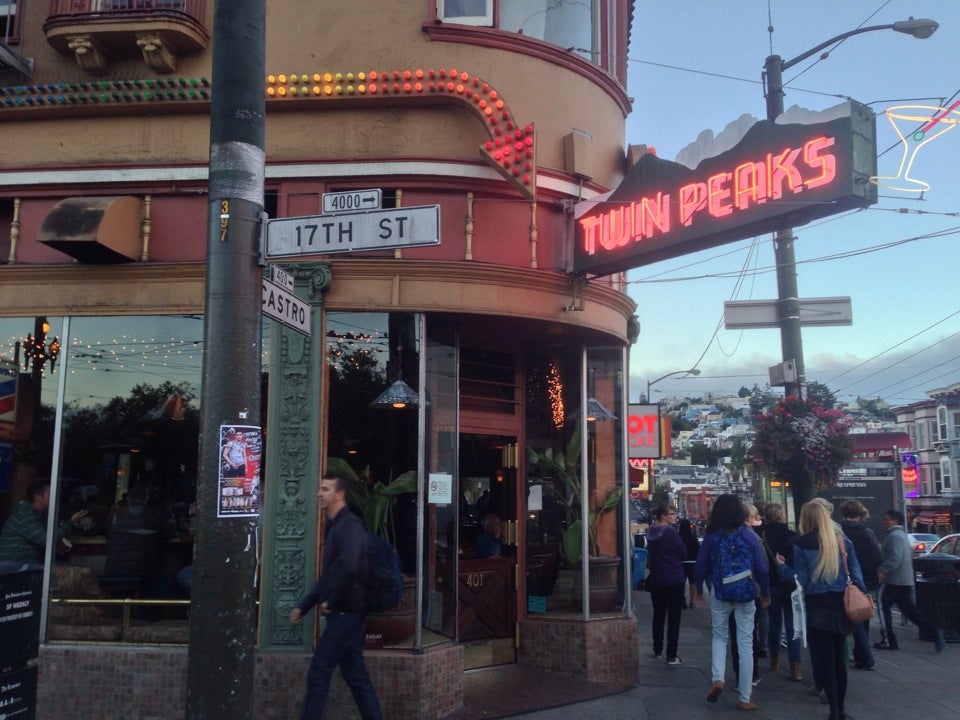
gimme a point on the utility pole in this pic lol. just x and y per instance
(220, 670)
(788, 300)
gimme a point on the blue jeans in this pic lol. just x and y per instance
(743, 613)
(862, 652)
(781, 618)
(341, 644)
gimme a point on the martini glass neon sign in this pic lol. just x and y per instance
(901, 117)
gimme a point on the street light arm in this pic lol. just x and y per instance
(774, 66)
(920, 29)
(651, 383)
(786, 65)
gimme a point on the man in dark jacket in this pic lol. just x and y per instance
(867, 548)
(135, 534)
(779, 539)
(340, 594)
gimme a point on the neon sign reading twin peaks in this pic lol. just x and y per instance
(776, 176)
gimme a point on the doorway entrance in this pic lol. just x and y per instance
(487, 592)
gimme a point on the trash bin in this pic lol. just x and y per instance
(938, 592)
(638, 569)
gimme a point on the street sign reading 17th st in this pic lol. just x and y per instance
(371, 230)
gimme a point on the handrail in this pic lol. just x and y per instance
(126, 603)
(118, 8)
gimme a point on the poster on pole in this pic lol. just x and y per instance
(239, 486)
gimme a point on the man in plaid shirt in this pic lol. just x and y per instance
(24, 537)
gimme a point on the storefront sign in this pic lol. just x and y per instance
(777, 176)
(641, 473)
(643, 431)
(870, 483)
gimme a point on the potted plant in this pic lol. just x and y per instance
(565, 466)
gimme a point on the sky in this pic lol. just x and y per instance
(695, 65)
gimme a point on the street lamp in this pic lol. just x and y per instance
(691, 371)
(788, 312)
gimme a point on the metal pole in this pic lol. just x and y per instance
(788, 302)
(223, 618)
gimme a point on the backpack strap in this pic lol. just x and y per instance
(739, 576)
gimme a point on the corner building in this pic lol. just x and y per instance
(497, 117)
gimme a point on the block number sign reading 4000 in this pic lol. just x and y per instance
(345, 201)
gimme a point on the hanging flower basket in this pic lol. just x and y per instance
(800, 439)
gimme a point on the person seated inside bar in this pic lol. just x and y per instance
(135, 535)
(488, 541)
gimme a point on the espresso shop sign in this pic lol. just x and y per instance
(777, 176)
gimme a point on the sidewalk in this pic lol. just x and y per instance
(913, 682)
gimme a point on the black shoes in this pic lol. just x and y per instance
(884, 645)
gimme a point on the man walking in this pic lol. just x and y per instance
(340, 594)
(897, 584)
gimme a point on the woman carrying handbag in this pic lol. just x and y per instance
(818, 565)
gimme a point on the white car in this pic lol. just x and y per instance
(949, 544)
(922, 542)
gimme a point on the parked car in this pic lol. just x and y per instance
(949, 544)
(922, 542)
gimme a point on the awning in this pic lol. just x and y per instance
(938, 517)
(879, 441)
(99, 229)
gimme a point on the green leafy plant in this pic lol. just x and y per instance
(374, 504)
(565, 466)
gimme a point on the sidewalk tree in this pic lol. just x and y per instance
(821, 394)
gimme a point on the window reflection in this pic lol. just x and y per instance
(128, 447)
(375, 443)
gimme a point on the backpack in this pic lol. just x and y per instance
(384, 579)
(733, 568)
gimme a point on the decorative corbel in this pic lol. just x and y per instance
(156, 52)
(578, 283)
(88, 52)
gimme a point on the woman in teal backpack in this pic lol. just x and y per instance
(733, 557)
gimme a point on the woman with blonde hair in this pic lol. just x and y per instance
(822, 560)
